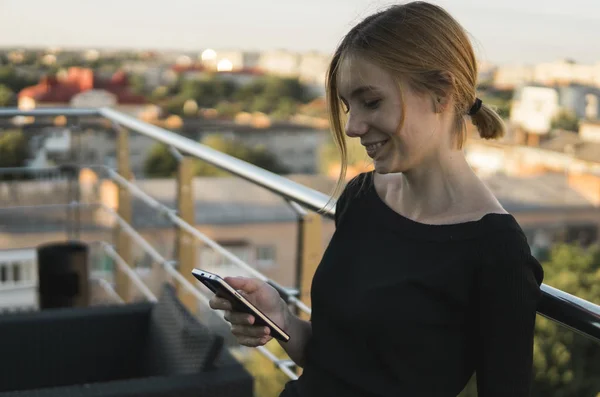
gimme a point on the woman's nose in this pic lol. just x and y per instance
(355, 127)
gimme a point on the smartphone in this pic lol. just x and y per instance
(217, 285)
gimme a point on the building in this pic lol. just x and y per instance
(18, 279)
(589, 131)
(295, 147)
(566, 71)
(535, 106)
(511, 76)
(280, 62)
(561, 72)
(71, 87)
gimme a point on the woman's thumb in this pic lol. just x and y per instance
(248, 285)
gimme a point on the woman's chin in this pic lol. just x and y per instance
(384, 167)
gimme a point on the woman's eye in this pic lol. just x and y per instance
(345, 107)
(373, 104)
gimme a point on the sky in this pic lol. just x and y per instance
(503, 31)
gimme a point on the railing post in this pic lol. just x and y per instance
(186, 248)
(310, 250)
(123, 284)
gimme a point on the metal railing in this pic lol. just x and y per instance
(575, 313)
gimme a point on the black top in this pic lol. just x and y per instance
(402, 308)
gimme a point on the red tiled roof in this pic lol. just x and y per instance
(51, 89)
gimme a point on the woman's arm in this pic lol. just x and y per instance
(300, 332)
(508, 282)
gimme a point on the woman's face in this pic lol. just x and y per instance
(374, 104)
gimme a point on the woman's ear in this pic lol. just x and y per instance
(443, 86)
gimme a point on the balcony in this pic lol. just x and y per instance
(141, 244)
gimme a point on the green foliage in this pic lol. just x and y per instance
(566, 363)
(159, 93)
(565, 120)
(7, 96)
(258, 156)
(160, 162)
(14, 81)
(174, 105)
(13, 152)
(228, 109)
(207, 92)
(276, 96)
(13, 149)
(137, 83)
(272, 95)
(286, 108)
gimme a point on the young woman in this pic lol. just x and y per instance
(427, 279)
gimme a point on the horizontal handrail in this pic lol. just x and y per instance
(556, 305)
(311, 199)
(315, 201)
(571, 311)
(50, 112)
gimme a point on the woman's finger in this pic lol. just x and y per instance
(251, 341)
(239, 318)
(219, 303)
(250, 330)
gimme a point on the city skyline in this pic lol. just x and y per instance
(512, 32)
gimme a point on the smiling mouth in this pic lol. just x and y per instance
(373, 148)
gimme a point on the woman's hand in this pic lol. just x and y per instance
(261, 295)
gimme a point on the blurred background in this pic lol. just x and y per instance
(247, 79)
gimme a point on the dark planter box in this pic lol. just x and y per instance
(141, 349)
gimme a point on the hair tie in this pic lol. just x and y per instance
(476, 106)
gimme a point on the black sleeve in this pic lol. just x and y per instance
(509, 281)
(340, 206)
(350, 191)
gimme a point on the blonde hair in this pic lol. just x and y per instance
(422, 44)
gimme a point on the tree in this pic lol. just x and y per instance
(160, 162)
(14, 81)
(228, 109)
(6, 95)
(137, 83)
(566, 363)
(254, 155)
(13, 149)
(286, 108)
(565, 120)
(267, 94)
(13, 152)
(207, 92)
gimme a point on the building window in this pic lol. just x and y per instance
(3, 273)
(16, 272)
(591, 106)
(213, 261)
(265, 255)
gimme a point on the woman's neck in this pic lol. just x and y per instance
(441, 187)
